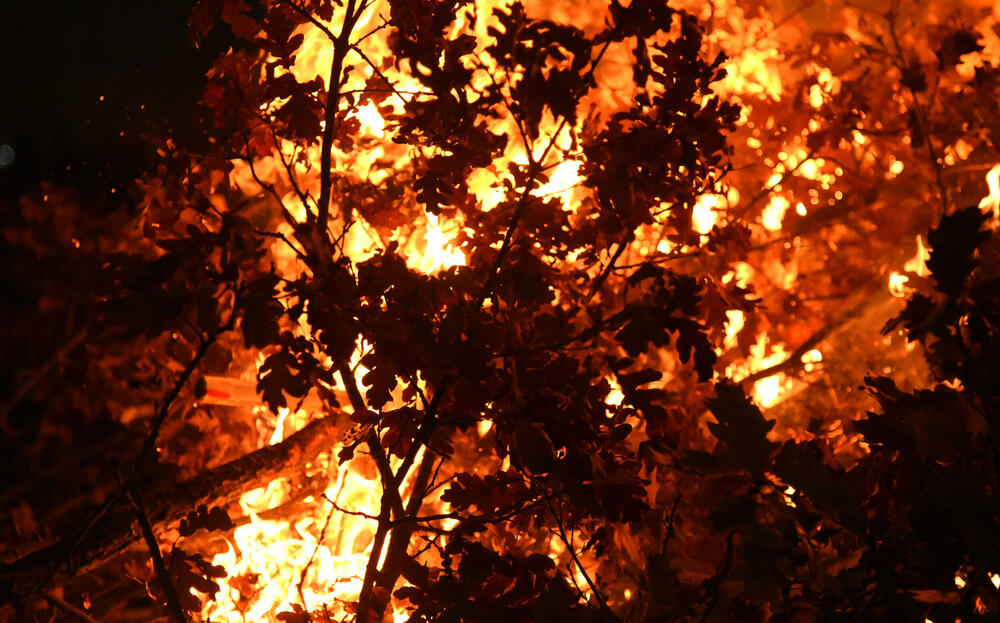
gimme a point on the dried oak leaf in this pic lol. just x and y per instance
(741, 429)
(831, 490)
(953, 248)
(234, 14)
(289, 370)
(938, 424)
(297, 614)
(187, 572)
(212, 519)
(959, 43)
(499, 492)
(917, 317)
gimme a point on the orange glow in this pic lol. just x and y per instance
(770, 390)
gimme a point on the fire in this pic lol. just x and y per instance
(774, 213)
(316, 555)
(916, 265)
(991, 202)
(705, 213)
(771, 390)
(273, 564)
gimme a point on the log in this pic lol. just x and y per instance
(166, 504)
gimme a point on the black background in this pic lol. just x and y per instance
(58, 59)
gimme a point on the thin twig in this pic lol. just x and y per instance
(303, 197)
(341, 509)
(289, 218)
(372, 440)
(173, 601)
(378, 72)
(312, 557)
(168, 400)
(794, 360)
(561, 533)
(606, 272)
(340, 48)
(767, 190)
(715, 583)
(68, 608)
(919, 114)
(670, 523)
(280, 236)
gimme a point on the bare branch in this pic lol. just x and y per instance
(68, 608)
(173, 601)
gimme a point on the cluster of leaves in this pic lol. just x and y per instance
(885, 539)
(529, 334)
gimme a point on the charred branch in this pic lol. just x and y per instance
(167, 505)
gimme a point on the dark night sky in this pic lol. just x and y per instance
(57, 60)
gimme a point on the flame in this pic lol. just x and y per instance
(916, 265)
(774, 213)
(704, 213)
(275, 563)
(755, 73)
(991, 202)
(770, 390)
(438, 252)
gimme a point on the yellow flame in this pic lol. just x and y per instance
(916, 265)
(735, 321)
(774, 213)
(704, 214)
(438, 252)
(770, 390)
(991, 202)
(754, 72)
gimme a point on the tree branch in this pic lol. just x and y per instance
(173, 601)
(561, 533)
(168, 400)
(372, 440)
(68, 608)
(167, 503)
(794, 360)
(341, 45)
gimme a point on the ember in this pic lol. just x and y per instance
(542, 311)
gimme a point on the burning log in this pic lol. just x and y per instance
(166, 504)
